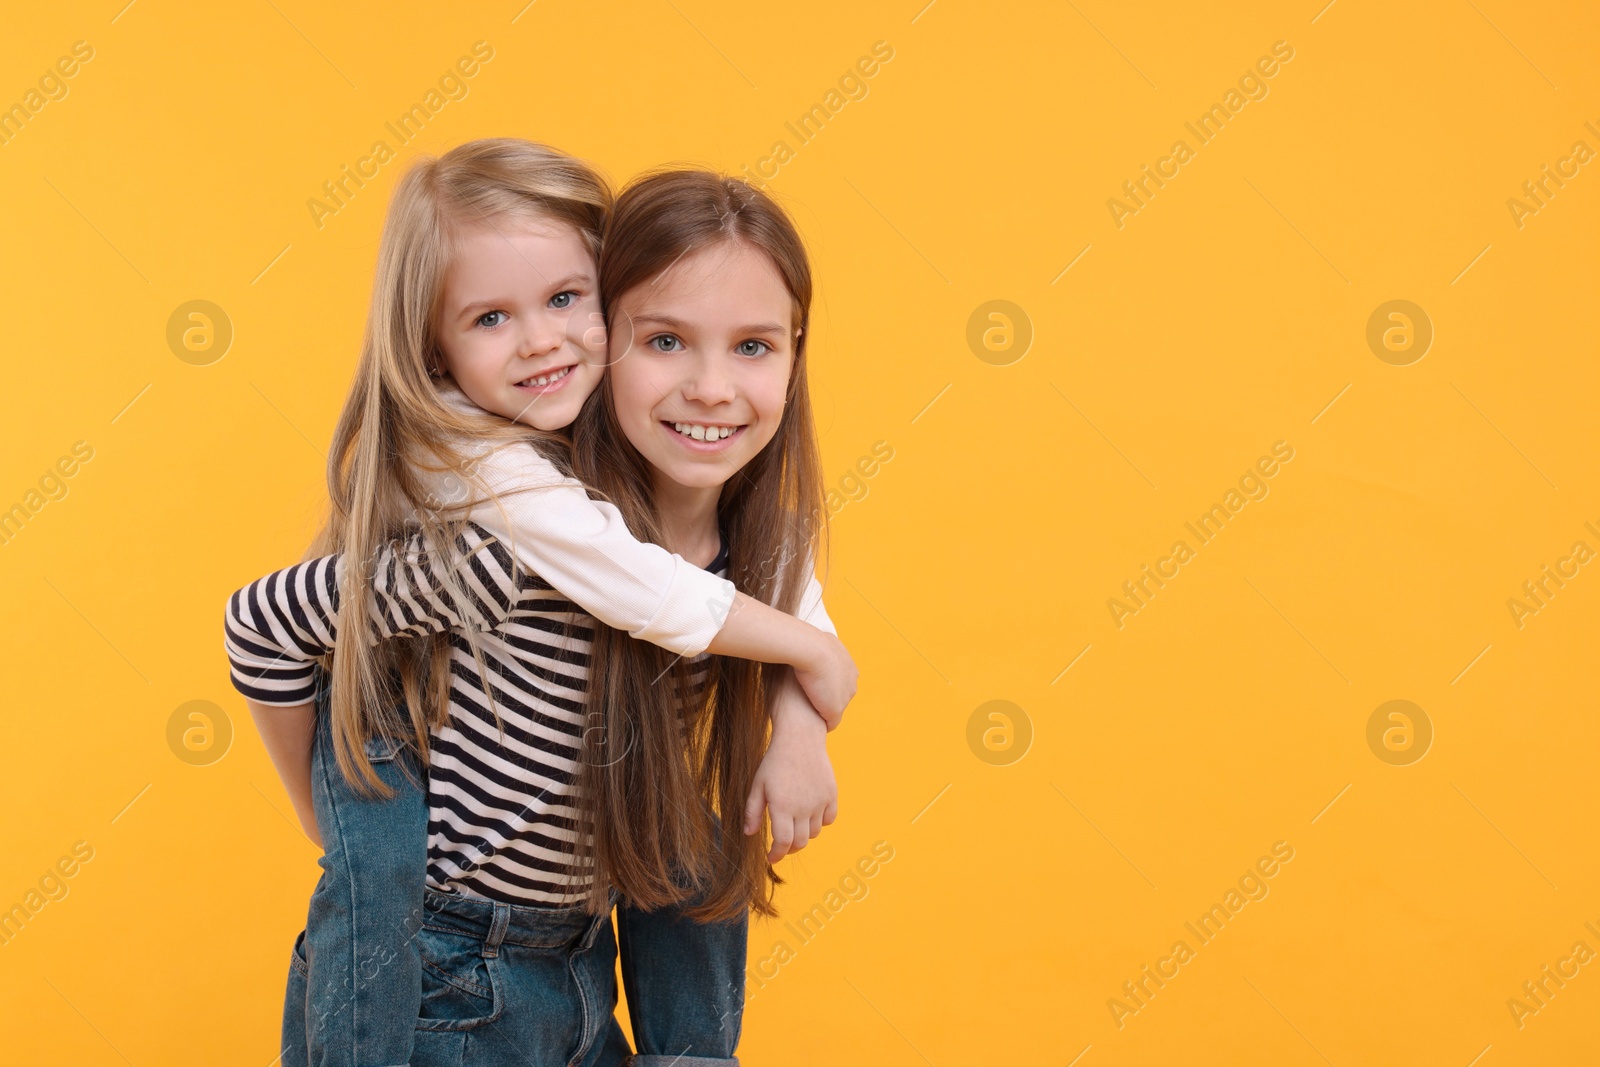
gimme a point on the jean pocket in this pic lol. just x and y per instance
(297, 956)
(383, 749)
(292, 1041)
(461, 988)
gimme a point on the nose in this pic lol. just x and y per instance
(709, 381)
(542, 335)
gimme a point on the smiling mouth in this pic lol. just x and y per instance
(547, 378)
(703, 431)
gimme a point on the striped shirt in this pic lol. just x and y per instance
(502, 812)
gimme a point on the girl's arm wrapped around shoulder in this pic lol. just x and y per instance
(585, 551)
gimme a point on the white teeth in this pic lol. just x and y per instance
(546, 379)
(703, 433)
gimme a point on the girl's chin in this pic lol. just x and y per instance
(702, 475)
(549, 412)
(672, 467)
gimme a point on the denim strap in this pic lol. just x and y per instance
(497, 930)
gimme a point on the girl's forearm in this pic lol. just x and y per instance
(760, 632)
(287, 732)
(822, 665)
(789, 707)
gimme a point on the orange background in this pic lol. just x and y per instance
(1042, 859)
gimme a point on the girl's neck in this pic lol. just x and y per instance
(689, 520)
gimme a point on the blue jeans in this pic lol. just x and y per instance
(506, 984)
(355, 977)
(370, 978)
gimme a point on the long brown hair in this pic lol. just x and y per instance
(650, 799)
(395, 424)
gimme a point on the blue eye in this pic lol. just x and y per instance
(664, 342)
(753, 348)
(564, 300)
(482, 320)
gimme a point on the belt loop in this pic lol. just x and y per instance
(596, 922)
(497, 930)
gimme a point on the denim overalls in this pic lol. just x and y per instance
(388, 972)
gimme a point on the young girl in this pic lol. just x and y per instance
(486, 285)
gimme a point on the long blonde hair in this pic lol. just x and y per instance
(395, 425)
(648, 801)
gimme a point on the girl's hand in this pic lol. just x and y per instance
(827, 676)
(795, 780)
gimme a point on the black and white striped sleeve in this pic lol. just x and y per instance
(278, 625)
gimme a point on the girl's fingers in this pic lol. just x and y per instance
(782, 837)
(753, 806)
(790, 834)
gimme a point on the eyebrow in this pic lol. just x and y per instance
(479, 306)
(674, 324)
(489, 305)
